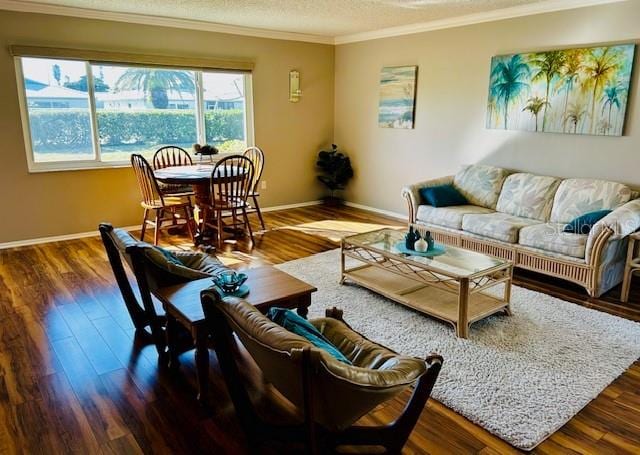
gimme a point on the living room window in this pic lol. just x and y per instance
(80, 114)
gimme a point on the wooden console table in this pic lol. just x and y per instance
(268, 286)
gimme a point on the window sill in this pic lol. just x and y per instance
(37, 168)
(70, 166)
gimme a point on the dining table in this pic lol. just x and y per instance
(201, 178)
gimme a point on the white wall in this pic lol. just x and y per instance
(452, 92)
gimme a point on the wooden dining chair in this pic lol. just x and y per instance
(172, 156)
(256, 155)
(229, 189)
(166, 208)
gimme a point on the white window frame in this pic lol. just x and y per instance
(96, 163)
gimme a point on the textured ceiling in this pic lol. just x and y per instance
(318, 17)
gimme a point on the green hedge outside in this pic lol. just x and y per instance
(55, 130)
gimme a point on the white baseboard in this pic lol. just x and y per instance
(57, 238)
(290, 206)
(400, 216)
(80, 235)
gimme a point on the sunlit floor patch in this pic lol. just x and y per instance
(335, 230)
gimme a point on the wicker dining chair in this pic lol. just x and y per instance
(256, 155)
(229, 189)
(172, 156)
(154, 200)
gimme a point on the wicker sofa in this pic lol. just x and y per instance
(520, 216)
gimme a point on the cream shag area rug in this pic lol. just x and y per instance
(520, 377)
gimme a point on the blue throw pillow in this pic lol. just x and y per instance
(300, 326)
(442, 196)
(584, 223)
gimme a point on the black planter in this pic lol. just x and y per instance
(333, 201)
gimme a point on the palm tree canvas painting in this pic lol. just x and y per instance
(573, 91)
(397, 97)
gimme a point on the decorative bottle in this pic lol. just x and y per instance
(410, 238)
(421, 245)
(429, 239)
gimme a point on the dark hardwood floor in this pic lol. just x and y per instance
(75, 379)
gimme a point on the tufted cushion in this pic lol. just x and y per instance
(550, 237)
(450, 217)
(528, 196)
(499, 226)
(189, 265)
(480, 184)
(202, 262)
(576, 197)
(342, 393)
(179, 270)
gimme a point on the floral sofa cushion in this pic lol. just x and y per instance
(450, 217)
(480, 184)
(528, 196)
(499, 226)
(549, 237)
(576, 197)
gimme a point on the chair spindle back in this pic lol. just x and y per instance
(231, 181)
(170, 156)
(151, 194)
(256, 155)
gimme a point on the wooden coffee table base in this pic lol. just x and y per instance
(269, 287)
(457, 298)
(459, 310)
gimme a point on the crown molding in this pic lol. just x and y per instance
(143, 19)
(547, 6)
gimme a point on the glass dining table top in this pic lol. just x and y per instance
(455, 261)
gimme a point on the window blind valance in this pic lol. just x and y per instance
(165, 61)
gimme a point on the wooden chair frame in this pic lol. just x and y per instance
(256, 155)
(153, 200)
(228, 192)
(312, 436)
(143, 314)
(139, 316)
(170, 156)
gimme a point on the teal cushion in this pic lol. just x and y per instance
(300, 326)
(584, 223)
(442, 196)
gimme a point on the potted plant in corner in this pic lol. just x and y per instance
(336, 170)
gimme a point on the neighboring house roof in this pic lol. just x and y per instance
(53, 91)
(223, 96)
(31, 84)
(36, 89)
(136, 95)
(173, 95)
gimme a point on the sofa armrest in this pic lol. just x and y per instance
(623, 221)
(620, 223)
(412, 193)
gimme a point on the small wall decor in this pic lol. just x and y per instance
(397, 97)
(294, 86)
(573, 91)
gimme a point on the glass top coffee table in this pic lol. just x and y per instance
(450, 287)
